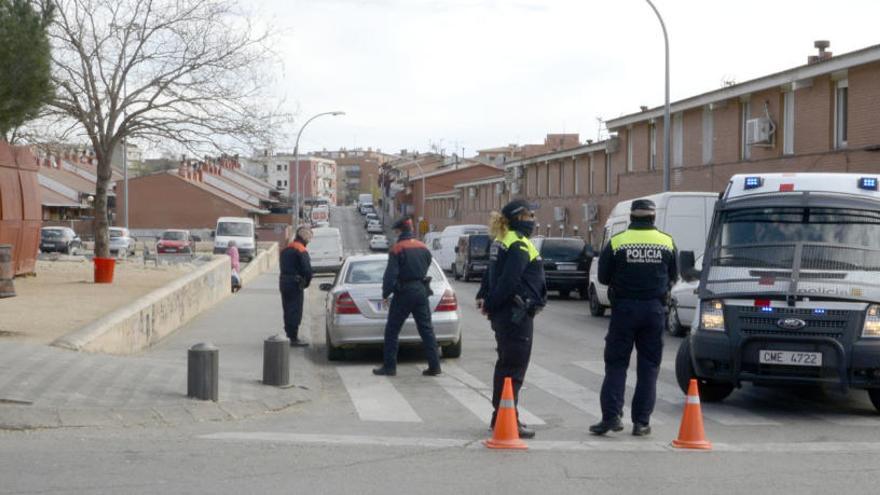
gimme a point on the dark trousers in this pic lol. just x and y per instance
(514, 346)
(292, 303)
(411, 299)
(638, 323)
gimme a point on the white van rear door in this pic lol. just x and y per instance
(686, 221)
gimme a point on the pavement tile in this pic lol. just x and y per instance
(174, 414)
(243, 409)
(206, 411)
(86, 417)
(137, 417)
(28, 418)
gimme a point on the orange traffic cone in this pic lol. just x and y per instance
(691, 434)
(506, 433)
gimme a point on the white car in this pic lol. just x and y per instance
(374, 227)
(121, 242)
(683, 304)
(379, 243)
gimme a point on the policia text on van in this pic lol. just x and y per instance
(790, 287)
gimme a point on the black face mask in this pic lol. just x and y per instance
(525, 227)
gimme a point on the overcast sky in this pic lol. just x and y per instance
(484, 73)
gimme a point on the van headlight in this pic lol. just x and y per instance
(871, 328)
(712, 315)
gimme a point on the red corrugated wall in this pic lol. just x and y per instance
(20, 206)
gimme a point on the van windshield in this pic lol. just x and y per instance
(796, 251)
(479, 246)
(235, 229)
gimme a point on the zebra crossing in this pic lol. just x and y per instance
(562, 394)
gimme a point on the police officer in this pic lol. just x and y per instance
(406, 278)
(639, 266)
(511, 294)
(296, 275)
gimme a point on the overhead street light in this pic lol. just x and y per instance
(298, 200)
(666, 151)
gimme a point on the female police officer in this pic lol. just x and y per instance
(511, 293)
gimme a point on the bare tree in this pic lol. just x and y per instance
(192, 72)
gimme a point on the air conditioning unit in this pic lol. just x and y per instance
(499, 188)
(472, 192)
(450, 213)
(559, 213)
(591, 212)
(612, 145)
(759, 131)
(514, 188)
(517, 172)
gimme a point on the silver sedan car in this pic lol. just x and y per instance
(356, 316)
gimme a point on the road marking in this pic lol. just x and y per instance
(720, 413)
(374, 397)
(476, 395)
(609, 445)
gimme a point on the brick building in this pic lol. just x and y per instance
(357, 172)
(500, 156)
(442, 182)
(317, 177)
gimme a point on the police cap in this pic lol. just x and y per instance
(403, 223)
(643, 208)
(516, 207)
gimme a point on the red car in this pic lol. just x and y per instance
(175, 242)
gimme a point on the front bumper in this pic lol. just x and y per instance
(355, 330)
(559, 280)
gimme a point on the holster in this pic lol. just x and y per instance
(427, 283)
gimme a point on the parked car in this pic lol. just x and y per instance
(121, 242)
(375, 227)
(683, 305)
(240, 230)
(370, 216)
(59, 240)
(176, 241)
(379, 243)
(325, 250)
(356, 315)
(567, 263)
(471, 256)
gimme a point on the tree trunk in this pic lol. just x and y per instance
(102, 187)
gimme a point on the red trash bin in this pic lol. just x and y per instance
(104, 270)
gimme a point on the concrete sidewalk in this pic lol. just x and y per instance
(48, 387)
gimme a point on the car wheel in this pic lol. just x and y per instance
(684, 372)
(596, 309)
(71, 249)
(874, 395)
(333, 353)
(565, 294)
(673, 323)
(453, 350)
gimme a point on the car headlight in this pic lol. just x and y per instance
(712, 315)
(871, 328)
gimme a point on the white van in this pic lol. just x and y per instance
(443, 246)
(686, 216)
(325, 250)
(240, 230)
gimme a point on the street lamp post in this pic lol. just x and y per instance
(666, 151)
(296, 208)
(422, 173)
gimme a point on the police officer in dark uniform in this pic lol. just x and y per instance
(296, 275)
(639, 266)
(511, 294)
(406, 278)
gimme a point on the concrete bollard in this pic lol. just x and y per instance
(203, 372)
(276, 361)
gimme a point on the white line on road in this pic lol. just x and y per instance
(476, 395)
(374, 397)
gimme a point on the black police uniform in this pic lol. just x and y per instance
(513, 291)
(296, 275)
(639, 266)
(405, 278)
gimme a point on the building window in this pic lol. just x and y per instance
(608, 173)
(841, 112)
(677, 141)
(577, 184)
(285, 167)
(708, 134)
(279, 184)
(592, 176)
(561, 167)
(285, 183)
(788, 123)
(745, 148)
(652, 146)
(547, 180)
(629, 150)
(278, 168)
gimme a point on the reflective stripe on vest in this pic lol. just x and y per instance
(641, 237)
(513, 236)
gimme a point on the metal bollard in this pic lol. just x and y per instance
(203, 372)
(276, 361)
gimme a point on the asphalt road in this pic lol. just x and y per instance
(412, 434)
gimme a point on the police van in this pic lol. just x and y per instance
(789, 291)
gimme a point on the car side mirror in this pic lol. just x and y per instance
(327, 287)
(687, 269)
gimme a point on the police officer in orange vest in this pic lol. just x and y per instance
(296, 275)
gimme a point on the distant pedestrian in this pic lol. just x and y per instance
(406, 279)
(511, 294)
(232, 252)
(638, 266)
(296, 275)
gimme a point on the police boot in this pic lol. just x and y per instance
(606, 425)
(525, 431)
(641, 429)
(383, 371)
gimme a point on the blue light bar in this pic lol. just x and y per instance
(766, 309)
(753, 182)
(868, 183)
(818, 311)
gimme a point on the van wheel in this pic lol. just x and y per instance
(596, 309)
(453, 350)
(333, 353)
(673, 324)
(684, 371)
(455, 273)
(874, 395)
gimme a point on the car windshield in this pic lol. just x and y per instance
(51, 233)
(235, 229)
(479, 246)
(371, 272)
(566, 250)
(173, 236)
(116, 233)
